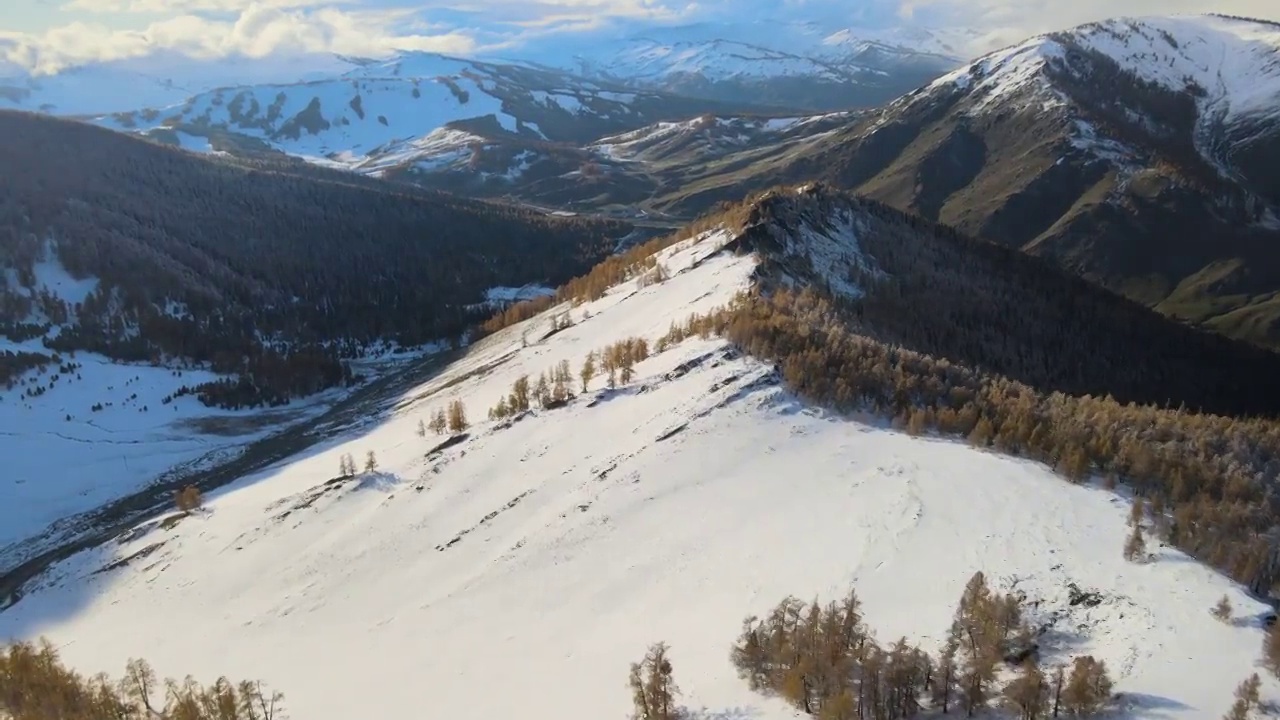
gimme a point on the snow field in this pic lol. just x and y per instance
(66, 458)
(518, 572)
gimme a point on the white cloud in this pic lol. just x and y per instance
(182, 6)
(1004, 22)
(256, 28)
(257, 31)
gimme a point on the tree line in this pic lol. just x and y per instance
(36, 685)
(824, 660)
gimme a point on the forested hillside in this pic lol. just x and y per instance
(269, 271)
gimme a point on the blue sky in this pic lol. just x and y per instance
(47, 35)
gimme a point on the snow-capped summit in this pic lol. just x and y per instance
(1230, 65)
(805, 65)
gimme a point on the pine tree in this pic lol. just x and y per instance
(944, 687)
(750, 657)
(457, 417)
(370, 462)
(588, 370)
(653, 688)
(1137, 512)
(542, 391)
(1271, 650)
(422, 429)
(1028, 694)
(520, 395)
(977, 627)
(1247, 698)
(1135, 548)
(1059, 682)
(188, 499)
(982, 433)
(609, 364)
(140, 684)
(1088, 689)
(346, 466)
(439, 423)
(1222, 610)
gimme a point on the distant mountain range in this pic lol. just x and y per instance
(794, 65)
(1115, 149)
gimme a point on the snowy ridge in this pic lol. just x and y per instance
(1231, 67)
(1011, 76)
(647, 60)
(951, 44)
(1234, 63)
(413, 111)
(566, 540)
(775, 49)
(343, 121)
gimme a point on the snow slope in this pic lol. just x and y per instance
(413, 111)
(517, 572)
(67, 458)
(315, 120)
(103, 430)
(1236, 63)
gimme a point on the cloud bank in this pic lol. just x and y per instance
(80, 32)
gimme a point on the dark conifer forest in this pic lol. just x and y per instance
(270, 271)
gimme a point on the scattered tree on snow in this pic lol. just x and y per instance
(439, 423)
(188, 499)
(1271, 650)
(1247, 698)
(588, 370)
(653, 687)
(1222, 610)
(457, 417)
(1135, 548)
(1088, 688)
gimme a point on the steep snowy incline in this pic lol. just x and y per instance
(1235, 64)
(516, 570)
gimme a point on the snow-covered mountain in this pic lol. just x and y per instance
(792, 64)
(1117, 149)
(413, 111)
(516, 568)
(788, 64)
(1228, 67)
